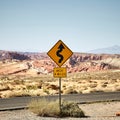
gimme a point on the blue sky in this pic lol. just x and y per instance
(36, 25)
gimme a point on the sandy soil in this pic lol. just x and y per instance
(95, 111)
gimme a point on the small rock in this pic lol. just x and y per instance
(118, 114)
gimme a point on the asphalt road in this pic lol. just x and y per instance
(21, 102)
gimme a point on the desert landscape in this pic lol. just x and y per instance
(37, 37)
(31, 74)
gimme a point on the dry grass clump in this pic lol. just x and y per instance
(4, 87)
(103, 75)
(43, 107)
(47, 108)
(69, 90)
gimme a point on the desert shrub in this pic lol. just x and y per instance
(18, 82)
(46, 91)
(43, 107)
(71, 109)
(31, 87)
(70, 91)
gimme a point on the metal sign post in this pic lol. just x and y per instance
(60, 53)
(60, 72)
(60, 95)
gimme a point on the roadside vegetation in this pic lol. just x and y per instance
(75, 83)
(99, 75)
(45, 108)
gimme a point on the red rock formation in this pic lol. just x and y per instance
(43, 65)
(118, 114)
(13, 68)
(13, 55)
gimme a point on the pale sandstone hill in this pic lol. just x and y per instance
(40, 63)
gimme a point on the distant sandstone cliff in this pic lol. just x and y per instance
(40, 63)
(8, 55)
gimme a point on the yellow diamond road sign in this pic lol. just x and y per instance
(60, 53)
(60, 72)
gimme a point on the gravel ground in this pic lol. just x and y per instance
(95, 111)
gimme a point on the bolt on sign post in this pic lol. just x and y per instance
(60, 53)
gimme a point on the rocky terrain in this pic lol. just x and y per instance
(40, 63)
(31, 74)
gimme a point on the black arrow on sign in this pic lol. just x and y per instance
(60, 49)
